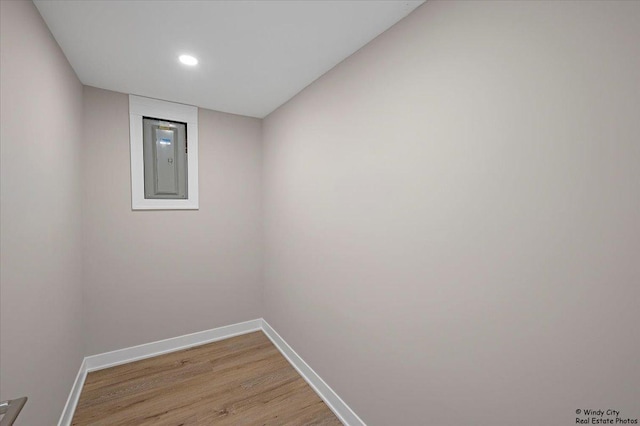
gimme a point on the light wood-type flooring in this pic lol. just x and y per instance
(243, 380)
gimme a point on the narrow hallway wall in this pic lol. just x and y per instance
(40, 268)
(453, 216)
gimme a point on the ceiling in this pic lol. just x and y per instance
(254, 55)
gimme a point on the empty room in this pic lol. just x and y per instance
(319, 212)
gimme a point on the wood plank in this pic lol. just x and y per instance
(243, 380)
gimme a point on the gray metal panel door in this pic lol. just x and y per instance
(165, 159)
(166, 165)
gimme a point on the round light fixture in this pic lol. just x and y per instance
(188, 60)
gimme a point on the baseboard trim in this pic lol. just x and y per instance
(148, 350)
(328, 395)
(74, 396)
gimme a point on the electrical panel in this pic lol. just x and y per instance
(165, 159)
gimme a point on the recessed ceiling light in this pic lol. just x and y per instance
(188, 60)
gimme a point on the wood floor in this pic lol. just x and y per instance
(243, 380)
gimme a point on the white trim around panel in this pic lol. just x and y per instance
(122, 356)
(140, 107)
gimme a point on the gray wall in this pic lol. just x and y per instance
(40, 221)
(152, 275)
(453, 216)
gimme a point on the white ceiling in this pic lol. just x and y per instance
(254, 55)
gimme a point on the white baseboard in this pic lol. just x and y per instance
(74, 396)
(333, 401)
(148, 350)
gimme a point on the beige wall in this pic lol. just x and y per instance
(453, 216)
(152, 275)
(40, 221)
